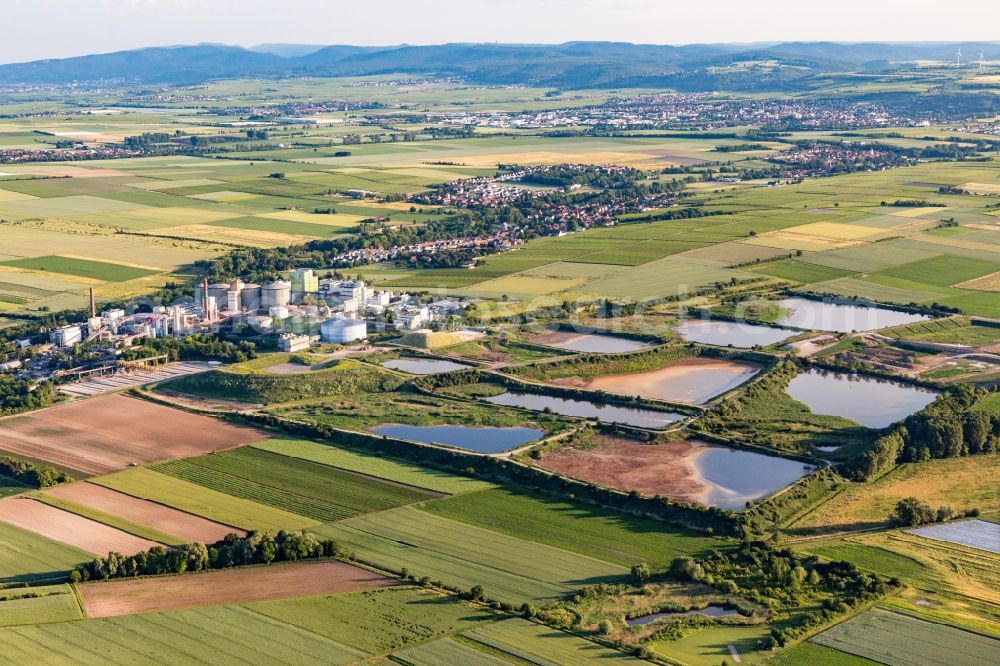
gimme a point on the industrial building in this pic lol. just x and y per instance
(342, 331)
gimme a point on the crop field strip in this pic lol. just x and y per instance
(447, 652)
(292, 484)
(39, 604)
(539, 644)
(591, 531)
(380, 620)
(511, 569)
(224, 635)
(383, 468)
(201, 501)
(30, 557)
(902, 640)
(977, 534)
(230, 586)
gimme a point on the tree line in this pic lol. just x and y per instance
(233, 551)
(32, 474)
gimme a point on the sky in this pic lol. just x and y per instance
(38, 29)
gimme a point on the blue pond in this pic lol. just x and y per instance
(481, 440)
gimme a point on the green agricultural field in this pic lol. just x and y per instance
(901, 640)
(592, 531)
(95, 270)
(29, 558)
(800, 271)
(817, 655)
(252, 383)
(291, 484)
(38, 605)
(943, 270)
(510, 569)
(952, 330)
(529, 641)
(9, 486)
(378, 621)
(385, 468)
(202, 501)
(219, 635)
(710, 646)
(448, 652)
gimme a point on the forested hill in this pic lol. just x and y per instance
(575, 64)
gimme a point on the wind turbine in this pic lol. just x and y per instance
(958, 58)
(980, 60)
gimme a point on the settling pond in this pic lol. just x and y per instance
(808, 314)
(481, 440)
(641, 418)
(874, 403)
(591, 343)
(690, 380)
(726, 333)
(424, 366)
(736, 477)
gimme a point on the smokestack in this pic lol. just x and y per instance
(204, 298)
(93, 304)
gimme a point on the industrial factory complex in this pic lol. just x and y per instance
(292, 315)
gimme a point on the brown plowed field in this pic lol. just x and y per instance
(186, 526)
(660, 469)
(69, 528)
(230, 586)
(105, 434)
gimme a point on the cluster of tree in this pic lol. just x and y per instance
(565, 175)
(257, 135)
(146, 140)
(951, 189)
(21, 395)
(32, 474)
(686, 213)
(201, 347)
(913, 203)
(233, 551)
(741, 147)
(911, 512)
(949, 427)
(781, 578)
(447, 258)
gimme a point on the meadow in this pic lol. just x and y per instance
(510, 569)
(55, 603)
(290, 484)
(529, 641)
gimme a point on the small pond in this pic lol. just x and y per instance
(736, 477)
(874, 403)
(737, 334)
(710, 611)
(481, 440)
(689, 380)
(808, 314)
(641, 418)
(424, 366)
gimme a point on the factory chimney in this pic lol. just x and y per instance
(93, 304)
(204, 299)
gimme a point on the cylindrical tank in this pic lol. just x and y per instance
(343, 330)
(220, 290)
(250, 297)
(277, 294)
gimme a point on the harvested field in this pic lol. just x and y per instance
(70, 528)
(106, 434)
(188, 527)
(663, 469)
(213, 588)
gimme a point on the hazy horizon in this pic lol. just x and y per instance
(49, 29)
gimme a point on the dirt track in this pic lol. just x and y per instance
(105, 434)
(69, 528)
(125, 597)
(186, 526)
(661, 469)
